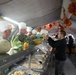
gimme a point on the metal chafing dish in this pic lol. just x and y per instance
(18, 70)
(38, 61)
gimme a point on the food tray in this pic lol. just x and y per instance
(19, 68)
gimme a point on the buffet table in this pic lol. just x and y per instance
(35, 61)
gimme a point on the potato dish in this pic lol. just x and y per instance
(18, 73)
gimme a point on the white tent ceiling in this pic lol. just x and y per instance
(22, 10)
(33, 12)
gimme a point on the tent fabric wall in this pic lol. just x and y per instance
(65, 4)
(31, 11)
(53, 16)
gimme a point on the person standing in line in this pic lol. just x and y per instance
(5, 30)
(70, 45)
(60, 54)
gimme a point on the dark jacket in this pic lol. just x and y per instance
(70, 44)
(60, 46)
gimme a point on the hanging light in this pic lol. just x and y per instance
(10, 20)
(50, 25)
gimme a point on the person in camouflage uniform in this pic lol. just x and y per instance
(18, 40)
